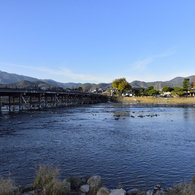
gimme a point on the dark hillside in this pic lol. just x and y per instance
(15, 80)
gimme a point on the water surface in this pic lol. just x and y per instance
(147, 145)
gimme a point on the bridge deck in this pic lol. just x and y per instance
(30, 98)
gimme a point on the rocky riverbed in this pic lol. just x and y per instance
(94, 186)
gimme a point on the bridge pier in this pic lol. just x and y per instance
(20, 101)
(32, 99)
(45, 100)
(13, 104)
(9, 102)
(39, 101)
(0, 105)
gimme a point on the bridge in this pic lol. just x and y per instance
(26, 99)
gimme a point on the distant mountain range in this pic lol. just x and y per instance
(15, 80)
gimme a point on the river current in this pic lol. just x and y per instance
(145, 146)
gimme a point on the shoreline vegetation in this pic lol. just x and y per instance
(47, 182)
(175, 101)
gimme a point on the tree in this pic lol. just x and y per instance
(149, 91)
(167, 89)
(139, 92)
(121, 84)
(80, 88)
(119, 93)
(150, 88)
(191, 91)
(146, 91)
(178, 91)
(186, 84)
(153, 92)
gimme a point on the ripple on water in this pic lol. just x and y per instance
(87, 140)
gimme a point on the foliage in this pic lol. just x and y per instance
(153, 92)
(121, 84)
(186, 84)
(108, 91)
(145, 92)
(149, 91)
(6, 186)
(167, 89)
(139, 92)
(150, 88)
(47, 180)
(78, 89)
(119, 93)
(178, 91)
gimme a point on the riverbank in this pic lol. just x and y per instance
(189, 101)
(47, 182)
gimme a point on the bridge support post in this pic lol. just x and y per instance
(30, 101)
(54, 100)
(66, 100)
(13, 103)
(39, 101)
(9, 103)
(57, 100)
(75, 99)
(0, 105)
(20, 102)
(45, 100)
(81, 99)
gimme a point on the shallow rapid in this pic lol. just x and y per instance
(142, 146)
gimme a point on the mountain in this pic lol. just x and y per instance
(63, 85)
(138, 84)
(26, 84)
(11, 78)
(176, 82)
(15, 80)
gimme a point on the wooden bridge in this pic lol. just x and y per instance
(26, 99)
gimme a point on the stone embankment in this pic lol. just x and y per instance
(94, 186)
(188, 101)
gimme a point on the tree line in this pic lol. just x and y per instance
(121, 85)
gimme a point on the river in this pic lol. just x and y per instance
(145, 146)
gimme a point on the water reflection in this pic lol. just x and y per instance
(186, 113)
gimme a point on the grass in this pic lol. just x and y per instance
(6, 186)
(46, 180)
(156, 100)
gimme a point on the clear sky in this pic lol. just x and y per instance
(98, 40)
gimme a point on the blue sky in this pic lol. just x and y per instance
(98, 40)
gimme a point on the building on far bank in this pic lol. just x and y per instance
(165, 94)
(132, 92)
